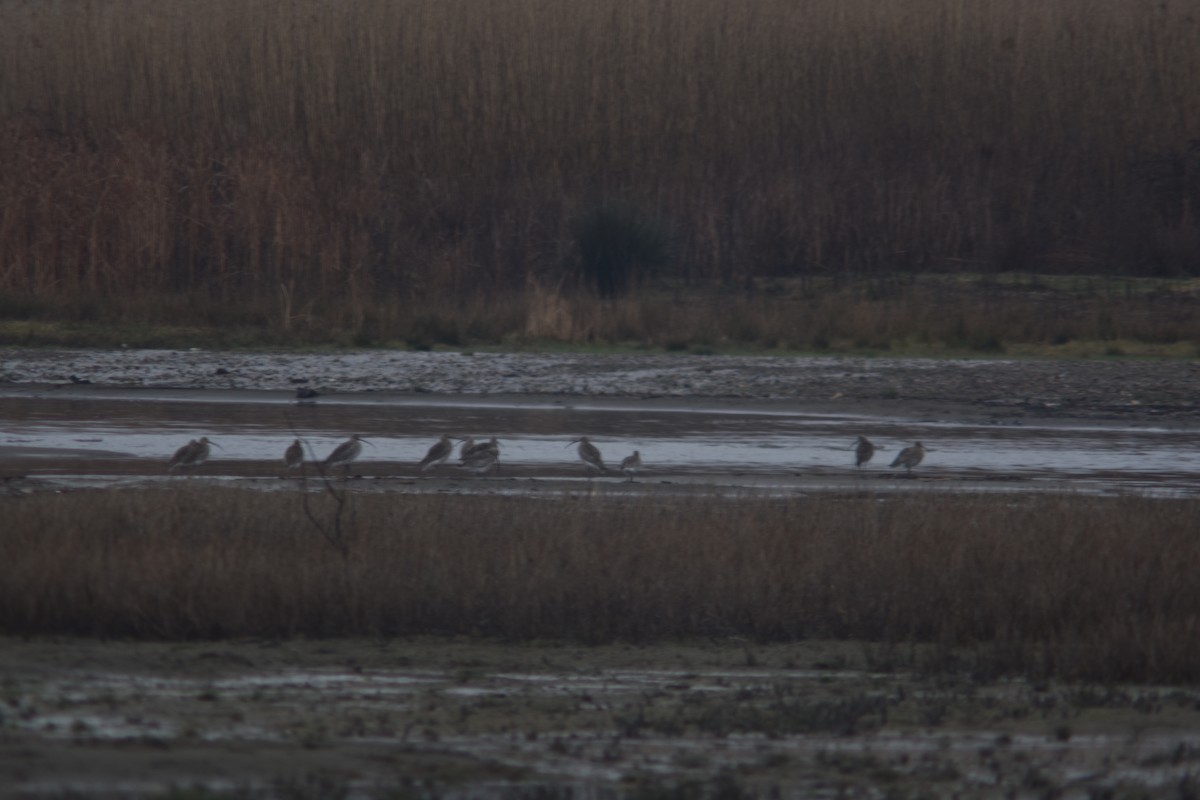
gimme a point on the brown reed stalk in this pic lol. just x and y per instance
(1097, 588)
(403, 152)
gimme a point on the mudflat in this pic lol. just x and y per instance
(971, 389)
(454, 718)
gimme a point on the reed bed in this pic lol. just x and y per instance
(1079, 587)
(316, 160)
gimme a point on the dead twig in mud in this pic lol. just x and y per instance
(335, 532)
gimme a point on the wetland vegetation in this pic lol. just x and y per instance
(221, 643)
(1069, 587)
(700, 174)
(832, 176)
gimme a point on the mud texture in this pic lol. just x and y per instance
(1122, 389)
(430, 718)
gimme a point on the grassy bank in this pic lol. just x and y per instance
(1082, 588)
(360, 163)
(918, 315)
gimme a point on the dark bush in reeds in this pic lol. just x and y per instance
(1072, 586)
(614, 244)
(317, 160)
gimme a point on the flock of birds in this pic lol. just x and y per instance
(909, 457)
(480, 458)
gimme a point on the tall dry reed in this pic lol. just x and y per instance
(1072, 586)
(310, 156)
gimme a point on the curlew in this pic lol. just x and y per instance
(491, 445)
(294, 457)
(631, 464)
(863, 451)
(467, 446)
(192, 454)
(438, 453)
(909, 457)
(182, 456)
(344, 454)
(590, 455)
(482, 461)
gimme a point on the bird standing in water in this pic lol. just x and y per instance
(482, 461)
(590, 455)
(440, 451)
(294, 457)
(344, 454)
(192, 454)
(492, 445)
(182, 456)
(863, 451)
(631, 464)
(910, 457)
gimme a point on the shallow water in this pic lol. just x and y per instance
(88, 436)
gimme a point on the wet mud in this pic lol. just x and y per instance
(486, 720)
(93, 436)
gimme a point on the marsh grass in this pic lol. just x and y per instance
(349, 166)
(921, 315)
(1077, 587)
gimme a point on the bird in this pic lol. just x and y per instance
(589, 455)
(864, 451)
(467, 445)
(909, 457)
(631, 464)
(344, 454)
(482, 461)
(192, 454)
(491, 446)
(182, 456)
(306, 395)
(438, 453)
(294, 457)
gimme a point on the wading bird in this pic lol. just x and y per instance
(440, 451)
(182, 456)
(344, 454)
(467, 446)
(482, 461)
(589, 455)
(909, 457)
(192, 454)
(863, 451)
(294, 457)
(631, 464)
(491, 445)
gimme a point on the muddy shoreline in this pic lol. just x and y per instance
(1128, 391)
(80, 419)
(476, 719)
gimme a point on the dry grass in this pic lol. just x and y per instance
(346, 164)
(1075, 587)
(924, 315)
